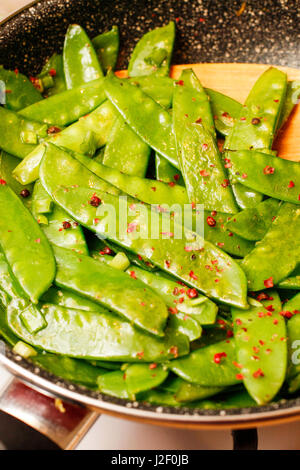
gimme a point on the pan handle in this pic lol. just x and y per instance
(62, 422)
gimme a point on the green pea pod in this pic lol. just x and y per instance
(8, 283)
(106, 46)
(15, 130)
(239, 399)
(81, 64)
(276, 177)
(141, 377)
(159, 88)
(144, 189)
(126, 150)
(225, 111)
(216, 232)
(256, 125)
(84, 136)
(211, 366)
(95, 335)
(178, 298)
(261, 348)
(34, 267)
(113, 384)
(253, 224)
(69, 299)
(7, 164)
(261, 264)
(292, 282)
(151, 122)
(188, 392)
(291, 310)
(186, 325)
(190, 104)
(19, 91)
(66, 107)
(291, 99)
(135, 302)
(205, 179)
(152, 54)
(57, 225)
(54, 68)
(166, 172)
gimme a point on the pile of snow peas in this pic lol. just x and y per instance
(208, 320)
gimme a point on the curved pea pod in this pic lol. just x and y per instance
(141, 377)
(291, 310)
(238, 399)
(55, 69)
(166, 172)
(261, 265)
(291, 99)
(8, 283)
(81, 64)
(144, 189)
(84, 136)
(126, 150)
(188, 392)
(20, 92)
(261, 348)
(253, 224)
(151, 122)
(152, 54)
(25, 246)
(225, 111)
(186, 325)
(292, 282)
(159, 88)
(216, 232)
(113, 384)
(275, 177)
(179, 298)
(211, 366)
(256, 125)
(95, 335)
(205, 179)
(68, 299)
(56, 224)
(106, 46)
(190, 105)
(7, 164)
(18, 135)
(66, 107)
(170, 254)
(101, 283)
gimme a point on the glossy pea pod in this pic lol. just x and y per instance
(292, 281)
(25, 246)
(261, 347)
(166, 172)
(275, 177)
(261, 265)
(7, 165)
(225, 111)
(152, 54)
(106, 46)
(69, 299)
(159, 88)
(252, 224)
(58, 227)
(81, 64)
(291, 311)
(167, 252)
(54, 68)
(19, 91)
(95, 335)
(101, 283)
(291, 99)
(256, 125)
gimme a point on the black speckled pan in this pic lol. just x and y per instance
(207, 31)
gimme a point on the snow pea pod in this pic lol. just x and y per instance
(291, 310)
(84, 136)
(101, 283)
(34, 268)
(238, 399)
(81, 64)
(186, 325)
(94, 335)
(106, 46)
(170, 254)
(205, 178)
(141, 377)
(253, 224)
(275, 177)
(211, 366)
(188, 392)
(261, 265)
(292, 282)
(8, 283)
(7, 164)
(144, 189)
(261, 348)
(291, 99)
(148, 119)
(224, 109)
(55, 69)
(57, 225)
(69, 299)
(13, 131)
(20, 92)
(152, 54)
(125, 150)
(159, 88)
(257, 123)
(66, 107)
(113, 384)
(166, 172)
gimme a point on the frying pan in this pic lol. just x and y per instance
(207, 31)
